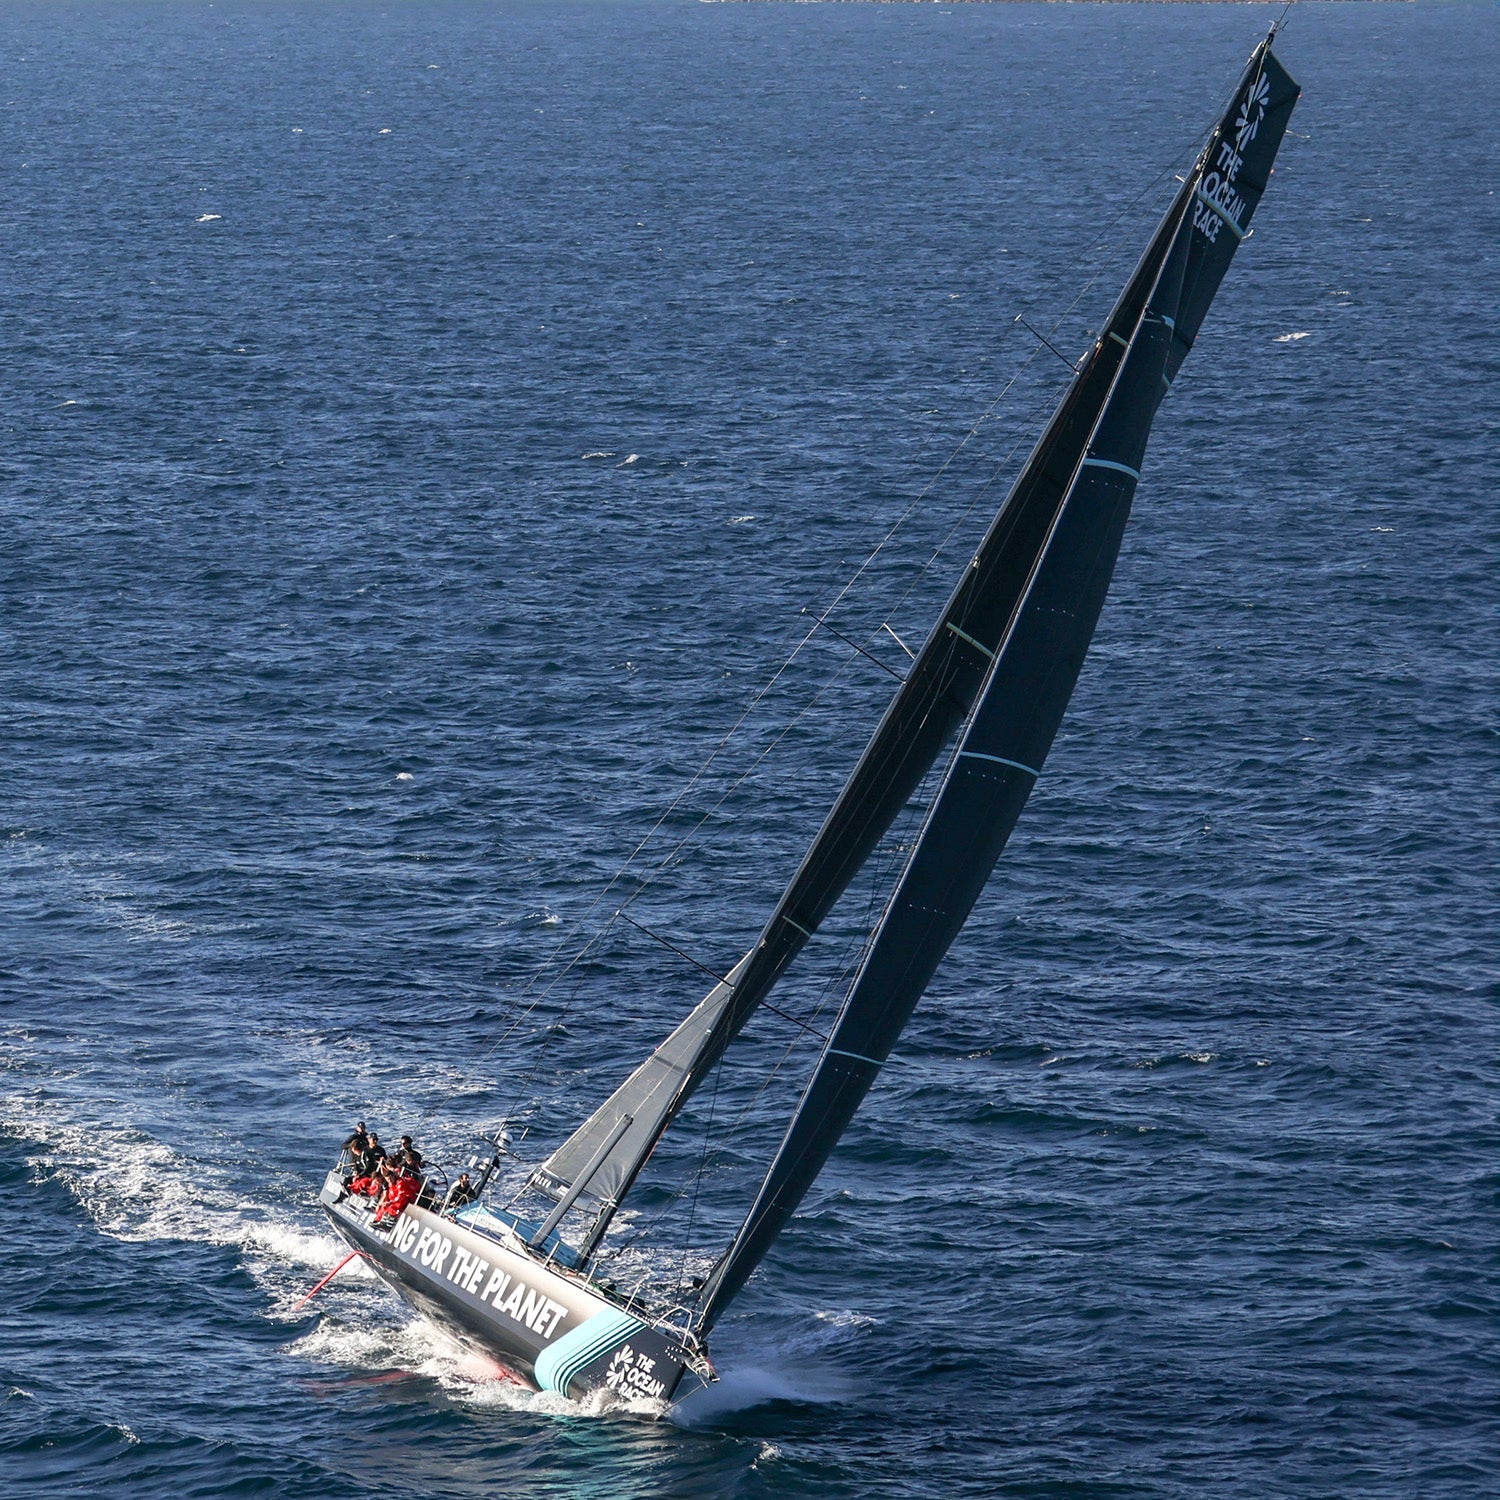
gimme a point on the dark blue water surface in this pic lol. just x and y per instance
(423, 430)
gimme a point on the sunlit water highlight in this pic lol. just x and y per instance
(424, 431)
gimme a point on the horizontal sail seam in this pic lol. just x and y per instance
(1109, 463)
(1221, 211)
(999, 760)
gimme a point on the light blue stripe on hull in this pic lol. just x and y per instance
(581, 1346)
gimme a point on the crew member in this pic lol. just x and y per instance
(463, 1191)
(371, 1158)
(366, 1184)
(402, 1187)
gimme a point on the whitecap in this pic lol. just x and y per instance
(208, 218)
(1289, 338)
(421, 1348)
(138, 1190)
(633, 458)
(845, 1319)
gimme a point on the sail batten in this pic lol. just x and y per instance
(1025, 691)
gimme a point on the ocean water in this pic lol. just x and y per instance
(424, 430)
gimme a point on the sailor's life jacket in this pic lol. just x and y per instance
(401, 1192)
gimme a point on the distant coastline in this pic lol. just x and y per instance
(1033, 2)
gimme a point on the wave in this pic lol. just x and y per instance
(138, 1189)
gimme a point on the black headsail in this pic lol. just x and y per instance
(1032, 661)
(594, 1167)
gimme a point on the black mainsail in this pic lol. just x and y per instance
(1108, 405)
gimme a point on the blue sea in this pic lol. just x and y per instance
(430, 429)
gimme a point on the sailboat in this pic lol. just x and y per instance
(975, 715)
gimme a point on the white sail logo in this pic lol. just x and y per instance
(1219, 202)
(1252, 112)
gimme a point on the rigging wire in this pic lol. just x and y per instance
(956, 750)
(838, 980)
(1108, 229)
(894, 848)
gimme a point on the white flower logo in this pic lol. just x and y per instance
(1252, 112)
(619, 1367)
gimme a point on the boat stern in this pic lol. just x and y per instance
(554, 1327)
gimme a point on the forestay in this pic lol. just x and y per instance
(1030, 664)
(934, 699)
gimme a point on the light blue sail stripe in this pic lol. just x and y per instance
(857, 1056)
(1222, 212)
(1109, 463)
(964, 635)
(560, 1362)
(999, 760)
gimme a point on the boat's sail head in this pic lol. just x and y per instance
(1227, 187)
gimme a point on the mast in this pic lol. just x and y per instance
(934, 699)
(1032, 667)
(946, 675)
